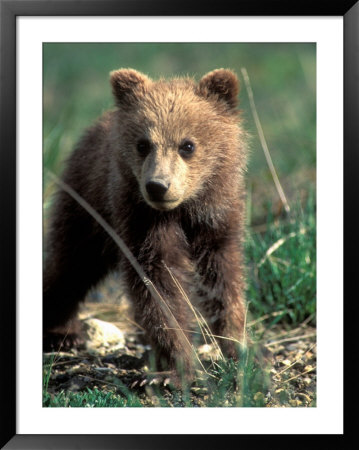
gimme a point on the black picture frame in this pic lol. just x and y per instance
(9, 10)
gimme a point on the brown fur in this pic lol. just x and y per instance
(196, 228)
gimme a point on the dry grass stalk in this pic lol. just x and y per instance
(278, 244)
(300, 374)
(295, 338)
(286, 332)
(265, 317)
(203, 326)
(263, 141)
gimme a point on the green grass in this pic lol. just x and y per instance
(89, 399)
(281, 265)
(47, 367)
(231, 384)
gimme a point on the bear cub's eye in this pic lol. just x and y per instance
(186, 148)
(144, 147)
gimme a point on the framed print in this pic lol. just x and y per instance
(207, 204)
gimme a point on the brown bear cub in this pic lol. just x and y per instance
(165, 171)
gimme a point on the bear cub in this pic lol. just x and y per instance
(165, 170)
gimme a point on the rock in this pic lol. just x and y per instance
(102, 337)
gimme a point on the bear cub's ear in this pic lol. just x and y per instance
(222, 84)
(126, 83)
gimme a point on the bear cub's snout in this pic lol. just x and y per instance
(156, 189)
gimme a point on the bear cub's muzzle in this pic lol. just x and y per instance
(156, 189)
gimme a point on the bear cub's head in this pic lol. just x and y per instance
(177, 137)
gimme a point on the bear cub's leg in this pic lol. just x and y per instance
(165, 260)
(221, 290)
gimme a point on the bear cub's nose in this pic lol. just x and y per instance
(157, 189)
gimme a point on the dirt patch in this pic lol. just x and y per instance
(288, 356)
